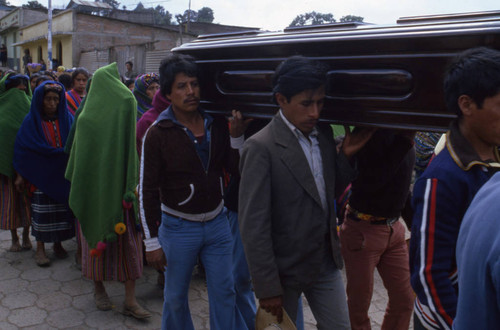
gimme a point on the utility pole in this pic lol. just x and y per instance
(49, 36)
(189, 16)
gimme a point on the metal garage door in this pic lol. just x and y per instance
(153, 59)
(94, 60)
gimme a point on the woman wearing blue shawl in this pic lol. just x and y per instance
(40, 159)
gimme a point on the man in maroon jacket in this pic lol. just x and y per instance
(182, 211)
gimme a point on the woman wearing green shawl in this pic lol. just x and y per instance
(15, 99)
(103, 172)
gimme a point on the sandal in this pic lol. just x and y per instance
(102, 301)
(42, 260)
(136, 311)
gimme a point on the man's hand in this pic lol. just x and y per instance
(238, 125)
(19, 183)
(273, 305)
(355, 140)
(156, 259)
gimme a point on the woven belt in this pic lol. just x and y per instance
(372, 219)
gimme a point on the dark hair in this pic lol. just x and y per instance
(41, 79)
(475, 73)
(34, 76)
(131, 64)
(77, 71)
(14, 80)
(49, 74)
(173, 65)
(297, 74)
(66, 80)
(129, 82)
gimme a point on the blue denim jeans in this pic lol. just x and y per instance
(245, 299)
(182, 241)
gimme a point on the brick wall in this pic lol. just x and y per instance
(124, 40)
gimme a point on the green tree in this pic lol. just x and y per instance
(34, 5)
(4, 3)
(162, 16)
(189, 15)
(205, 15)
(351, 18)
(113, 3)
(312, 18)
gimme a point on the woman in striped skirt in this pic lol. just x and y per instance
(103, 172)
(15, 98)
(15, 213)
(40, 159)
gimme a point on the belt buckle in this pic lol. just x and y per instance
(391, 221)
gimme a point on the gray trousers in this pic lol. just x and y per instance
(326, 297)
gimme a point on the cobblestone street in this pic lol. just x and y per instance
(57, 297)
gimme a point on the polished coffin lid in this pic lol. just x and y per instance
(379, 75)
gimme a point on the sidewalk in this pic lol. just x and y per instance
(57, 297)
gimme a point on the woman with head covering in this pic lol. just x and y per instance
(40, 159)
(103, 169)
(74, 97)
(145, 88)
(15, 99)
(160, 103)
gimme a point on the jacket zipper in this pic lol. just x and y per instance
(209, 149)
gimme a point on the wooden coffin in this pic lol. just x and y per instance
(385, 76)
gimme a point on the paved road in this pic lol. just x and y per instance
(58, 297)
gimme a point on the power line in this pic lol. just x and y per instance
(143, 2)
(148, 2)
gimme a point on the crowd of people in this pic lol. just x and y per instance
(140, 174)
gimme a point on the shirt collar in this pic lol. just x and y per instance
(297, 132)
(169, 114)
(463, 153)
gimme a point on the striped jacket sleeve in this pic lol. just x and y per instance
(149, 189)
(435, 229)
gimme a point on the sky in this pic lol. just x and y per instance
(274, 15)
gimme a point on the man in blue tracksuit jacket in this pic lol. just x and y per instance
(446, 188)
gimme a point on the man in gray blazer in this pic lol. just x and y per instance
(290, 175)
